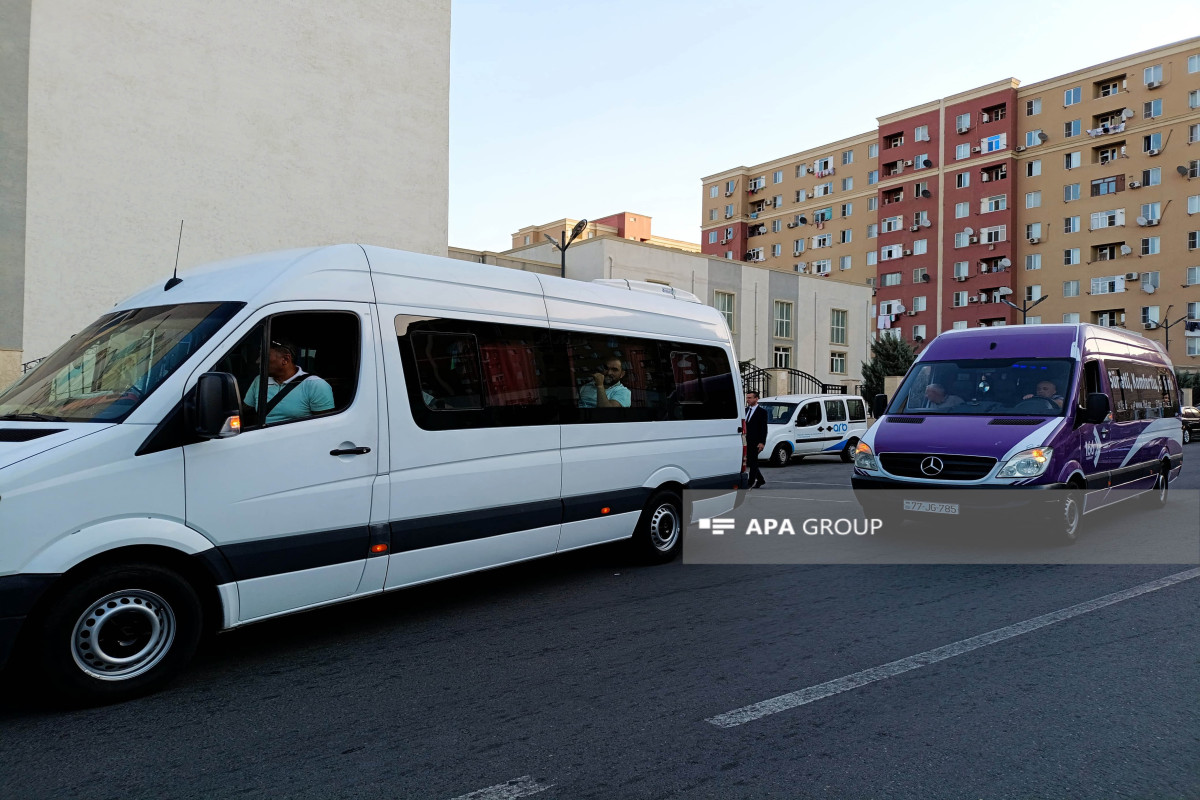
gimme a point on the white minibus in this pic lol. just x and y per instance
(421, 418)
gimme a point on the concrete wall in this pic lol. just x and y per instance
(14, 82)
(264, 126)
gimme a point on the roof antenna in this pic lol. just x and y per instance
(175, 279)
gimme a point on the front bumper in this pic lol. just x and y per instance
(18, 594)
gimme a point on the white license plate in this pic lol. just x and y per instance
(931, 508)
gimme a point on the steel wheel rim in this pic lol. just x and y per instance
(1162, 486)
(664, 527)
(1071, 517)
(123, 635)
(781, 456)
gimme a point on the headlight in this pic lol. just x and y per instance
(1027, 464)
(864, 458)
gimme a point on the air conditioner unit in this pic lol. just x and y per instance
(983, 267)
(729, 194)
(975, 149)
(724, 241)
(960, 278)
(908, 163)
(1019, 149)
(973, 298)
(1135, 184)
(1151, 223)
(729, 216)
(908, 252)
(984, 118)
(915, 228)
(797, 252)
(1152, 151)
(793, 224)
(1151, 326)
(985, 177)
(1131, 276)
(973, 240)
(910, 313)
(1034, 240)
(964, 130)
(1153, 84)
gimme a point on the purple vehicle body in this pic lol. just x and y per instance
(1082, 407)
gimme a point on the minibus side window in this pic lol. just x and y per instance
(320, 350)
(810, 414)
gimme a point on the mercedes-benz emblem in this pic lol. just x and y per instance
(932, 465)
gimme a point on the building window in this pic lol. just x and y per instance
(823, 240)
(846, 236)
(997, 202)
(872, 203)
(1103, 186)
(1150, 246)
(714, 190)
(962, 210)
(890, 279)
(1033, 199)
(1152, 142)
(1070, 224)
(1071, 318)
(994, 234)
(873, 177)
(1071, 128)
(782, 357)
(723, 301)
(1033, 261)
(776, 225)
(1031, 138)
(1193, 64)
(1072, 160)
(728, 212)
(712, 237)
(919, 274)
(1108, 88)
(1152, 177)
(872, 230)
(712, 214)
(837, 363)
(1152, 74)
(1033, 231)
(1072, 96)
(962, 151)
(527, 239)
(1070, 256)
(1107, 219)
(960, 299)
(1070, 192)
(1033, 168)
(872, 258)
(1152, 211)
(962, 269)
(1033, 320)
(1152, 108)
(847, 209)
(1193, 204)
(891, 224)
(783, 319)
(837, 325)
(777, 176)
(845, 263)
(730, 186)
(920, 247)
(847, 157)
(921, 133)
(962, 180)
(872, 151)
(1150, 279)
(776, 249)
(961, 240)
(993, 143)
(1033, 107)
(1033, 292)
(962, 122)
(1070, 288)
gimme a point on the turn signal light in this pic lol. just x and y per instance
(605, 510)
(379, 548)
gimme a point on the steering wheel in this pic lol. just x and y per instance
(1038, 405)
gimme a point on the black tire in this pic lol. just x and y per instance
(84, 660)
(1187, 435)
(1157, 496)
(658, 537)
(781, 456)
(1066, 516)
(847, 453)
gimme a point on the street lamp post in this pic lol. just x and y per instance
(1166, 326)
(565, 243)
(1025, 306)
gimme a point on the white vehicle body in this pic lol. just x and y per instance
(270, 521)
(801, 425)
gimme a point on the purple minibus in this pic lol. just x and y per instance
(1085, 408)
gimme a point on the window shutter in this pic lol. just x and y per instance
(1120, 183)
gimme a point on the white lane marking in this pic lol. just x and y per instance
(517, 787)
(784, 702)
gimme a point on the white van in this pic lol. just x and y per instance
(800, 425)
(425, 417)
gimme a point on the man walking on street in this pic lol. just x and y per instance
(756, 437)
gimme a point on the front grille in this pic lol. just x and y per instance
(909, 420)
(954, 468)
(1023, 421)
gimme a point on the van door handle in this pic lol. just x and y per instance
(350, 451)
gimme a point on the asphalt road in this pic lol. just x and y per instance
(581, 676)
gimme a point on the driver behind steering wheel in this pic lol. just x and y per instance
(1046, 390)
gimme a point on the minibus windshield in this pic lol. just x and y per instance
(778, 413)
(104, 372)
(987, 387)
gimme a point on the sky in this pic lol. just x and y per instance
(587, 108)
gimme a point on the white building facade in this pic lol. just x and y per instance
(262, 126)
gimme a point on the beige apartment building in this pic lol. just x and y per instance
(262, 125)
(1081, 190)
(1108, 211)
(624, 225)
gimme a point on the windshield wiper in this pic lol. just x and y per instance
(32, 416)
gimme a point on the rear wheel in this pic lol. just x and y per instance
(1158, 495)
(658, 537)
(781, 455)
(847, 453)
(117, 633)
(1187, 435)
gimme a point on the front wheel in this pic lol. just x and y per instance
(847, 453)
(658, 537)
(1066, 517)
(117, 633)
(781, 455)
(1187, 435)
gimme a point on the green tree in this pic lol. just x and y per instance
(888, 357)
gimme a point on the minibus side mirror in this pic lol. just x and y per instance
(1097, 408)
(879, 407)
(216, 411)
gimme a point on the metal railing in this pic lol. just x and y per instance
(28, 365)
(784, 380)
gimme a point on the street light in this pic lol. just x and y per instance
(1025, 306)
(1166, 326)
(562, 247)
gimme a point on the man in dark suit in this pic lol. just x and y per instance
(756, 437)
